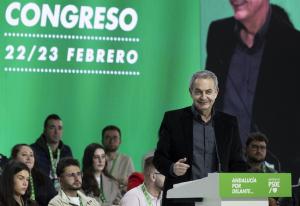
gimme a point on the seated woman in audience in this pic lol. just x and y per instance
(96, 182)
(42, 189)
(14, 184)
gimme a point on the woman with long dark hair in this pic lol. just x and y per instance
(42, 189)
(96, 182)
(14, 185)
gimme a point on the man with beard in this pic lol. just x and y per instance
(148, 193)
(69, 175)
(118, 165)
(256, 151)
(49, 148)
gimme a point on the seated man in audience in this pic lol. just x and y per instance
(49, 147)
(69, 175)
(119, 165)
(137, 178)
(149, 193)
(256, 151)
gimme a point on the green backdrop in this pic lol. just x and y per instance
(169, 44)
(166, 38)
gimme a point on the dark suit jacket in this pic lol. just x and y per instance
(43, 187)
(276, 102)
(42, 154)
(176, 142)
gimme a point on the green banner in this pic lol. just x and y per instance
(94, 63)
(255, 185)
(71, 37)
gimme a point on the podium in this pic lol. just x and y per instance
(233, 189)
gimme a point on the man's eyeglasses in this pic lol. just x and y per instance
(73, 174)
(258, 147)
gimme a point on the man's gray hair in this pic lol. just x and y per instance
(204, 74)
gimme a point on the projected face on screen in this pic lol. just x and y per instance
(247, 9)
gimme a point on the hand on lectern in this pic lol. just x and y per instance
(180, 168)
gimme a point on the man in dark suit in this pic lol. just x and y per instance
(255, 55)
(197, 140)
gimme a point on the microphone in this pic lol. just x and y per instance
(276, 159)
(217, 151)
(218, 157)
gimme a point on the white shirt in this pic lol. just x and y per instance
(74, 200)
(136, 197)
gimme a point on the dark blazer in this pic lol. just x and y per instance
(276, 103)
(43, 187)
(42, 154)
(176, 142)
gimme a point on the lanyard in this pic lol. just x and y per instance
(53, 165)
(113, 165)
(102, 195)
(264, 168)
(32, 195)
(80, 201)
(22, 202)
(148, 198)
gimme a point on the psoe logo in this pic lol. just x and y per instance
(274, 185)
